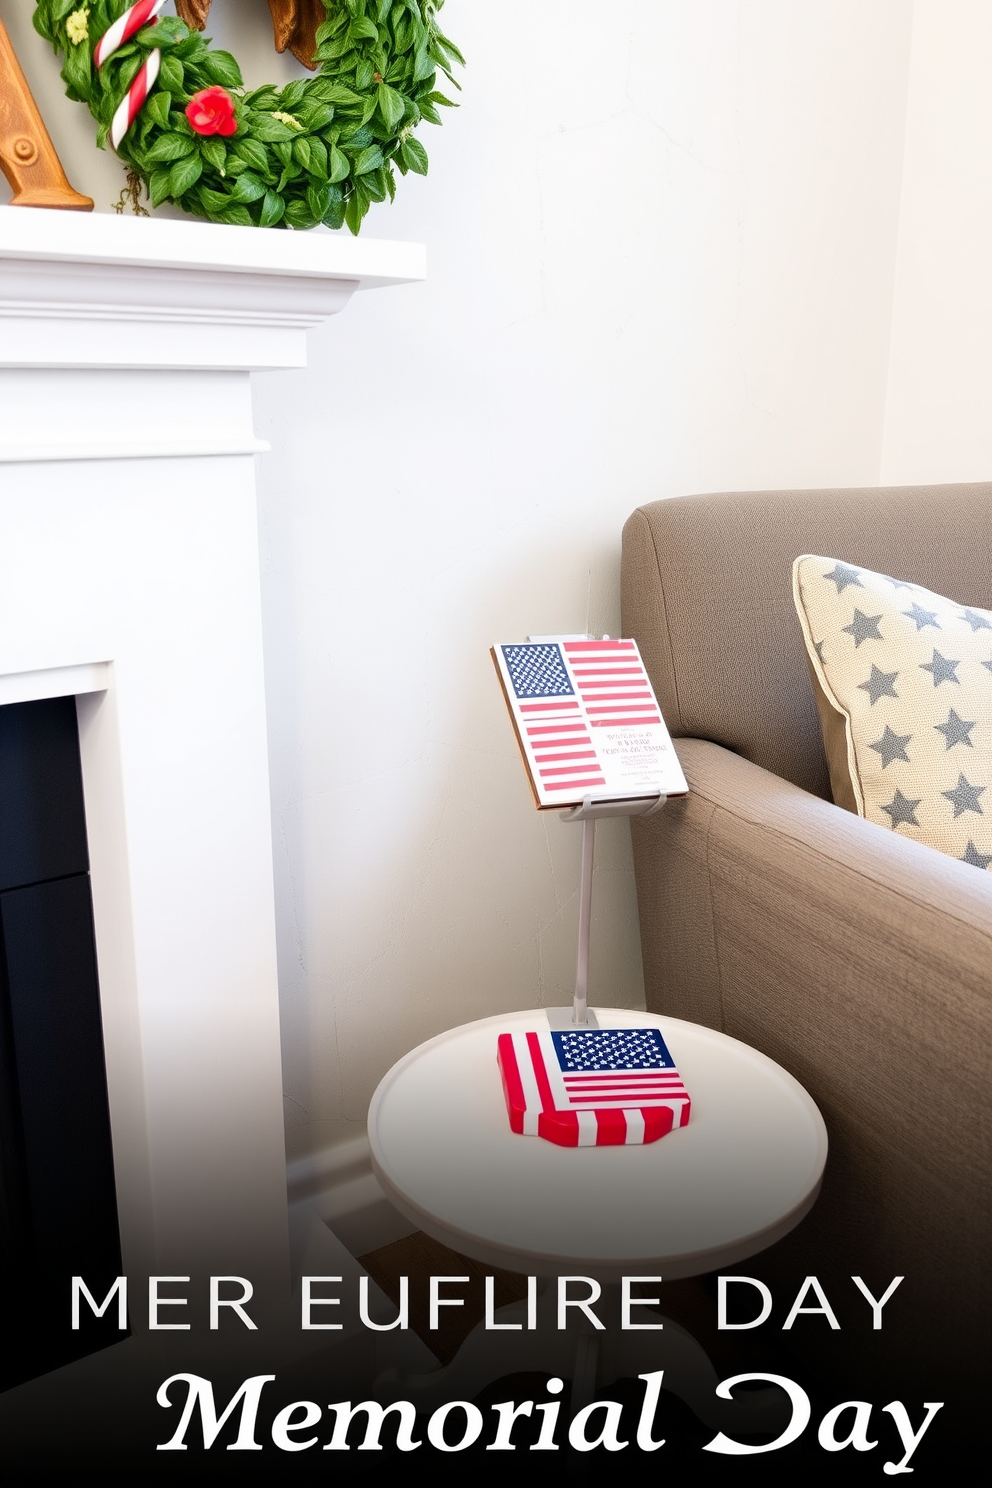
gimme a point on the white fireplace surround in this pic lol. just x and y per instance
(129, 579)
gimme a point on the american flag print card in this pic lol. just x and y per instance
(587, 721)
(596, 1087)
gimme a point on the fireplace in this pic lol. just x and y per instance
(58, 1205)
(129, 582)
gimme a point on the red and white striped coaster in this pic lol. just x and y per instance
(597, 1087)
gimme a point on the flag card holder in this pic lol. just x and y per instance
(590, 728)
(586, 720)
(593, 740)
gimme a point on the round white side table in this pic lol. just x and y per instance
(739, 1176)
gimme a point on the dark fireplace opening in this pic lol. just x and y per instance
(58, 1205)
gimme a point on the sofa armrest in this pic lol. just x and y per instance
(862, 962)
(750, 881)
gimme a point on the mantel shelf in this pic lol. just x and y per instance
(80, 290)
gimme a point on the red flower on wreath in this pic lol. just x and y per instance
(211, 111)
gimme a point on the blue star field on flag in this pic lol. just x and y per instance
(612, 1049)
(537, 671)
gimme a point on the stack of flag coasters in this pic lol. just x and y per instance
(596, 1087)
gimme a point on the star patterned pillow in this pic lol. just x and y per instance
(903, 679)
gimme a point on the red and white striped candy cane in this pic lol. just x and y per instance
(114, 37)
(124, 28)
(133, 101)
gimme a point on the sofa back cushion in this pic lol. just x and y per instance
(706, 591)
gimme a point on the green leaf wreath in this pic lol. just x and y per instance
(317, 150)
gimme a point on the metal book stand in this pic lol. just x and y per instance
(590, 811)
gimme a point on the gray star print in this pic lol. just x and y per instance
(891, 746)
(956, 730)
(942, 667)
(819, 652)
(921, 616)
(902, 810)
(987, 664)
(973, 856)
(842, 575)
(879, 684)
(964, 797)
(863, 628)
(976, 619)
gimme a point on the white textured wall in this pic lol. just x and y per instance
(661, 241)
(938, 424)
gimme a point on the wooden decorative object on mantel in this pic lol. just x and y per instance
(294, 23)
(27, 156)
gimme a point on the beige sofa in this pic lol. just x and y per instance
(859, 960)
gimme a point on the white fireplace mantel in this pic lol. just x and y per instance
(129, 578)
(81, 290)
